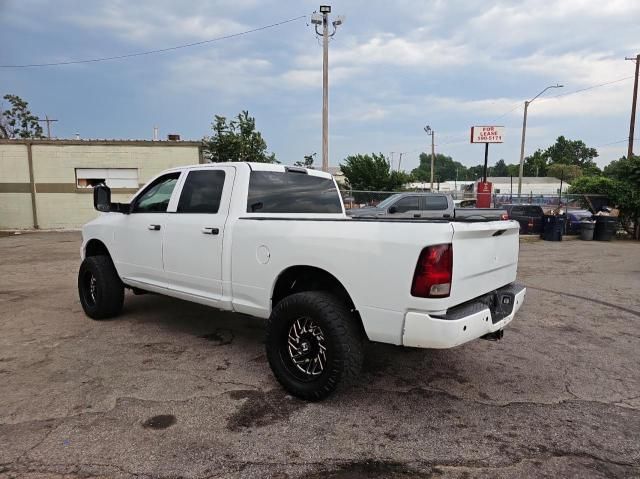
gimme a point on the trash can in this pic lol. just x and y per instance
(586, 230)
(605, 228)
(552, 227)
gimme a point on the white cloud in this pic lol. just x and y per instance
(575, 68)
(216, 73)
(151, 23)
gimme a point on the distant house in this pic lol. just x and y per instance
(502, 185)
(548, 185)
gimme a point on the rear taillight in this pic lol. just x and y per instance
(504, 216)
(530, 224)
(432, 278)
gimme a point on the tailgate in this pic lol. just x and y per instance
(485, 257)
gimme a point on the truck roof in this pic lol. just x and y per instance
(255, 166)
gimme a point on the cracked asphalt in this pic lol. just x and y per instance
(171, 389)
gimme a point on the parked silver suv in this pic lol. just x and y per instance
(426, 206)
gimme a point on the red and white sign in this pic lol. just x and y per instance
(487, 134)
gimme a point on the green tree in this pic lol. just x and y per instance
(565, 152)
(563, 171)
(624, 169)
(621, 185)
(513, 170)
(474, 172)
(372, 173)
(572, 152)
(444, 166)
(307, 162)
(18, 121)
(535, 165)
(500, 169)
(236, 140)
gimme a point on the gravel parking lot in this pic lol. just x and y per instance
(172, 389)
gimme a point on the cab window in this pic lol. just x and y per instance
(155, 198)
(408, 203)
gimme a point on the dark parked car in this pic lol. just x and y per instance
(529, 217)
(575, 217)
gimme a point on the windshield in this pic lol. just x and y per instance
(388, 201)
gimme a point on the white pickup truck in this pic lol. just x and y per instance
(274, 242)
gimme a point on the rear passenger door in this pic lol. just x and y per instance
(194, 233)
(436, 206)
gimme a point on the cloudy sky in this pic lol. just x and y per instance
(394, 67)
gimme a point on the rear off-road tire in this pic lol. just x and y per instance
(314, 344)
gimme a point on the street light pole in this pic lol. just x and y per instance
(524, 130)
(432, 133)
(322, 18)
(325, 93)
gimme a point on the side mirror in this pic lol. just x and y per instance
(102, 198)
(393, 210)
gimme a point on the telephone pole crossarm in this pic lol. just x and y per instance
(48, 121)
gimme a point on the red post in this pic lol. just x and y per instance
(483, 197)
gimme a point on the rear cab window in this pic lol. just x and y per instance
(292, 192)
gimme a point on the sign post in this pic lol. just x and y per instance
(486, 135)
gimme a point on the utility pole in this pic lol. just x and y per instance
(633, 105)
(48, 121)
(400, 162)
(432, 133)
(322, 18)
(524, 130)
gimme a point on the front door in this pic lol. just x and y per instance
(406, 207)
(138, 235)
(194, 234)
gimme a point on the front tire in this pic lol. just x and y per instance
(314, 344)
(100, 289)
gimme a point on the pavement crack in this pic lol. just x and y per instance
(587, 298)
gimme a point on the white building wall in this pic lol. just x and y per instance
(59, 203)
(15, 196)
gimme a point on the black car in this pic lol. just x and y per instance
(529, 217)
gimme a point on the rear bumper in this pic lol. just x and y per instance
(461, 324)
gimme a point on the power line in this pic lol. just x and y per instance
(614, 142)
(519, 104)
(151, 52)
(587, 88)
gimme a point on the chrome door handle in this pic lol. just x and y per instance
(208, 230)
(154, 227)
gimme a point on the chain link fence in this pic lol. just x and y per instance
(550, 203)
(573, 207)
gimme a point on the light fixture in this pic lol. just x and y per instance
(325, 8)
